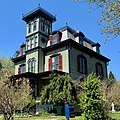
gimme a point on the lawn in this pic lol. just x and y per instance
(47, 118)
(115, 115)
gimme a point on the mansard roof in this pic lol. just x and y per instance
(71, 43)
(38, 12)
(75, 34)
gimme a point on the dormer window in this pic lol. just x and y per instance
(80, 40)
(96, 47)
(23, 50)
(55, 38)
(29, 28)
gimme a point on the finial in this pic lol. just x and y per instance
(39, 4)
(66, 24)
(22, 14)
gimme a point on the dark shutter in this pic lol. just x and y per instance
(19, 70)
(102, 71)
(50, 37)
(50, 63)
(78, 63)
(96, 69)
(60, 62)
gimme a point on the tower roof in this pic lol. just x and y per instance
(38, 12)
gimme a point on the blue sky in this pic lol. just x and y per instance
(13, 29)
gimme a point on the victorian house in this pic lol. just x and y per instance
(63, 51)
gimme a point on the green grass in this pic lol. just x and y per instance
(115, 115)
(47, 118)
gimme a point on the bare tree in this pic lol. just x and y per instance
(12, 97)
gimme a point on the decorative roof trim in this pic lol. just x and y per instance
(38, 11)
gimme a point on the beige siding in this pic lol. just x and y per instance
(32, 55)
(65, 59)
(17, 66)
(91, 61)
(41, 61)
(16, 69)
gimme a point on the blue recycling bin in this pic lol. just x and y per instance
(69, 111)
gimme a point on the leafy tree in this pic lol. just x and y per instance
(7, 65)
(110, 16)
(91, 100)
(60, 87)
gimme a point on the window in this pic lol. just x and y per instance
(99, 70)
(82, 64)
(55, 62)
(28, 46)
(81, 40)
(54, 39)
(42, 24)
(34, 25)
(22, 68)
(32, 43)
(29, 28)
(35, 42)
(23, 50)
(31, 65)
(45, 26)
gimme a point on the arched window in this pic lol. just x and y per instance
(31, 65)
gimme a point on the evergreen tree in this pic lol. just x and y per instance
(91, 100)
(111, 76)
(60, 87)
